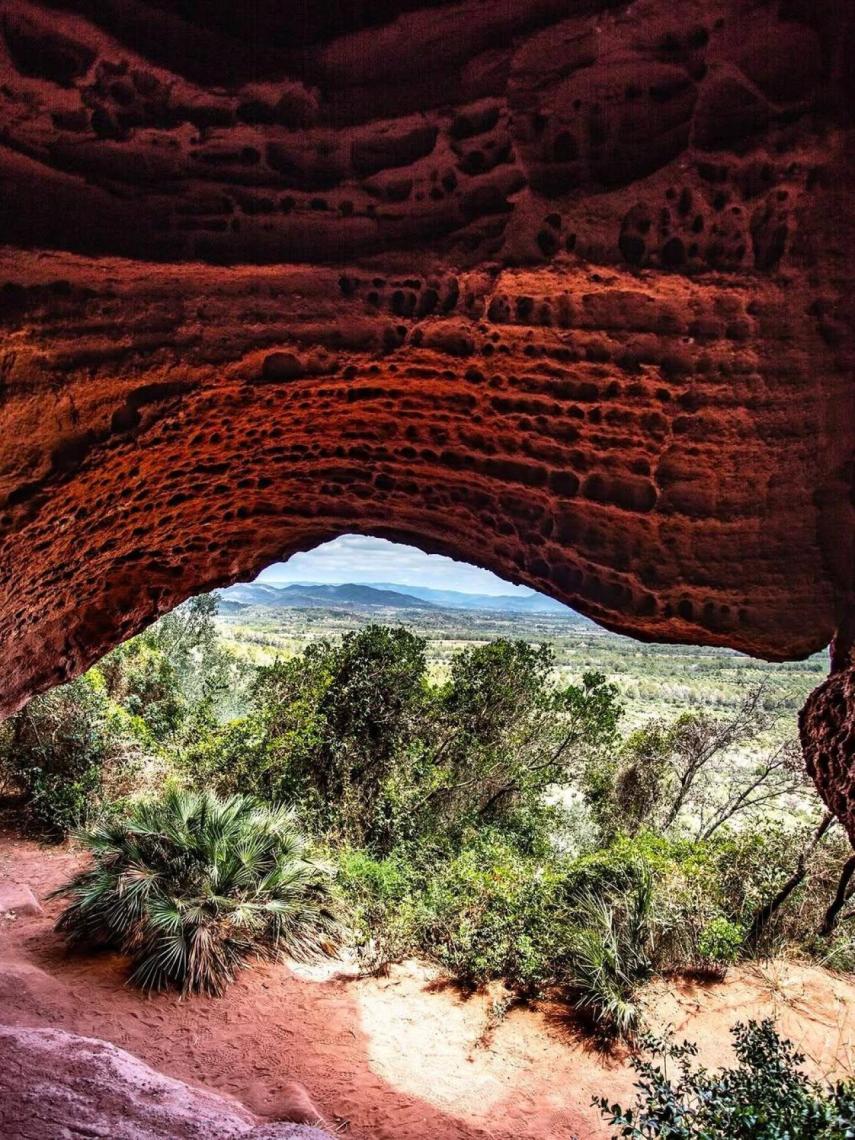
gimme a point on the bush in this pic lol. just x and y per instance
(609, 956)
(191, 886)
(493, 912)
(485, 912)
(141, 678)
(505, 735)
(381, 896)
(765, 1096)
(595, 927)
(238, 758)
(54, 751)
(720, 945)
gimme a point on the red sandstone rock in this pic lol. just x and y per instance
(18, 899)
(564, 293)
(827, 725)
(55, 1084)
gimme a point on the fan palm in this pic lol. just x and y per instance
(609, 956)
(191, 886)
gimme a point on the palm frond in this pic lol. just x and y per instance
(192, 886)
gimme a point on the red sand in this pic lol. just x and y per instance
(402, 1057)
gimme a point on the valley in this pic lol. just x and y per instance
(260, 622)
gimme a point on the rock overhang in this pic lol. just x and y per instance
(560, 289)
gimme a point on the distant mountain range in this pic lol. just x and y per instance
(311, 595)
(381, 595)
(501, 603)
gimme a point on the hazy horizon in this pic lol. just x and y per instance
(360, 559)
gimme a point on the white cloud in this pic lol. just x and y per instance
(358, 558)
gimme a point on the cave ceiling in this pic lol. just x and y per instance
(559, 288)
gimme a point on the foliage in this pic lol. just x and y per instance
(700, 772)
(765, 1096)
(142, 679)
(377, 754)
(720, 943)
(54, 750)
(76, 749)
(370, 713)
(505, 735)
(493, 912)
(383, 904)
(487, 912)
(192, 886)
(638, 785)
(487, 815)
(175, 676)
(326, 729)
(608, 955)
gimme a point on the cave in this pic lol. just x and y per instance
(559, 288)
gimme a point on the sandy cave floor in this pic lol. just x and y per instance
(401, 1057)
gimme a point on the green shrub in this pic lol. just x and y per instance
(765, 1096)
(493, 912)
(596, 926)
(641, 776)
(487, 911)
(238, 757)
(381, 897)
(191, 886)
(331, 729)
(54, 750)
(720, 944)
(608, 956)
(377, 755)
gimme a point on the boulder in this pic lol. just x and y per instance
(56, 1085)
(18, 899)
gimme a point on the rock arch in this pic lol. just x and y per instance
(562, 289)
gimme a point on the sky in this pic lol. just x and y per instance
(358, 558)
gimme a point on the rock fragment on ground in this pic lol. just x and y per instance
(18, 899)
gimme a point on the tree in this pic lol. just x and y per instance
(506, 734)
(640, 780)
(702, 772)
(376, 753)
(54, 749)
(765, 914)
(371, 714)
(697, 740)
(176, 676)
(842, 895)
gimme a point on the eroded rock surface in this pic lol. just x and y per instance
(55, 1084)
(561, 289)
(827, 725)
(15, 898)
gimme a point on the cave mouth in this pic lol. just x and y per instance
(385, 579)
